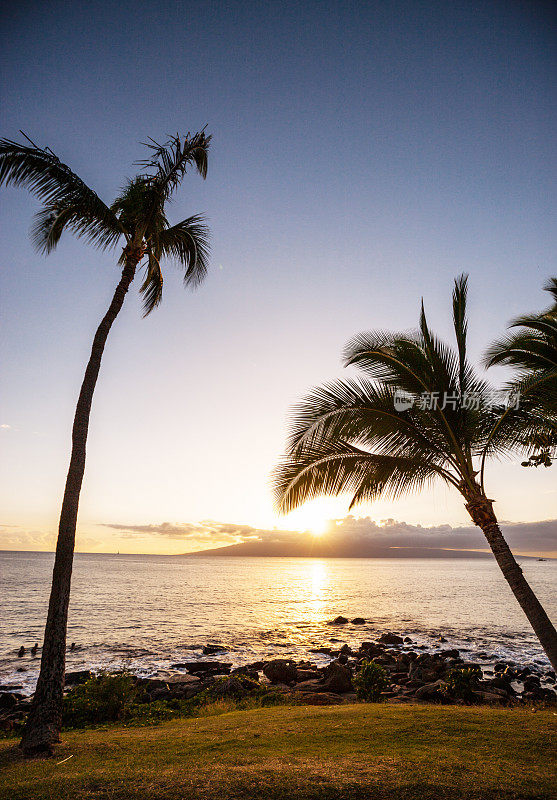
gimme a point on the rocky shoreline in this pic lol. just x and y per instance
(411, 676)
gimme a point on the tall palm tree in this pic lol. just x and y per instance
(420, 413)
(532, 350)
(137, 217)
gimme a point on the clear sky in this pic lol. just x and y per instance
(363, 154)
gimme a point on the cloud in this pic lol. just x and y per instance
(17, 537)
(354, 533)
(205, 531)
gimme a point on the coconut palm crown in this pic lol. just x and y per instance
(419, 413)
(137, 215)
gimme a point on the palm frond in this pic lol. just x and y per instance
(151, 288)
(551, 287)
(460, 293)
(334, 468)
(366, 413)
(169, 161)
(68, 201)
(187, 243)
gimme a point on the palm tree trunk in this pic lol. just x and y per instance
(45, 717)
(481, 511)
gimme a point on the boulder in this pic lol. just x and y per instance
(234, 686)
(390, 638)
(9, 700)
(339, 621)
(78, 677)
(358, 621)
(338, 678)
(503, 684)
(432, 691)
(210, 667)
(247, 672)
(211, 649)
(450, 653)
(280, 670)
(311, 686)
(182, 680)
(307, 675)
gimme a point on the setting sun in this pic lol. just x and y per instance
(315, 515)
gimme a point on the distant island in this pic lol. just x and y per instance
(334, 549)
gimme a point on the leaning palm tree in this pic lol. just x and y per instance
(532, 350)
(137, 218)
(419, 413)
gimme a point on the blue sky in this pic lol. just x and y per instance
(363, 155)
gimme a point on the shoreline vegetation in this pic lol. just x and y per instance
(391, 669)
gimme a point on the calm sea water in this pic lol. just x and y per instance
(147, 612)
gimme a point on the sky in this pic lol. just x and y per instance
(363, 154)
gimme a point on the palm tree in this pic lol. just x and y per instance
(420, 413)
(533, 352)
(137, 217)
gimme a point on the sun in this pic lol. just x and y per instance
(317, 528)
(314, 517)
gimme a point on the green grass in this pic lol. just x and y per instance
(376, 752)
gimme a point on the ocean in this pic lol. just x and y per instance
(146, 612)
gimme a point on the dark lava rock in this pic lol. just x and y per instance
(450, 653)
(307, 675)
(390, 638)
(432, 691)
(324, 650)
(338, 678)
(235, 686)
(78, 677)
(256, 665)
(247, 672)
(407, 640)
(338, 621)
(502, 683)
(9, 700)
(280, 670)
(214, 667)
(358, 621)
(211, 649)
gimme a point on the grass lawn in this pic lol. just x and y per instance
(376, 752)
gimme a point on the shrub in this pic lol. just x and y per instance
(462, 681)
(104, 698)
(370, 681)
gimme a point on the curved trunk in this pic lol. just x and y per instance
(45, 717)
(481, 511)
